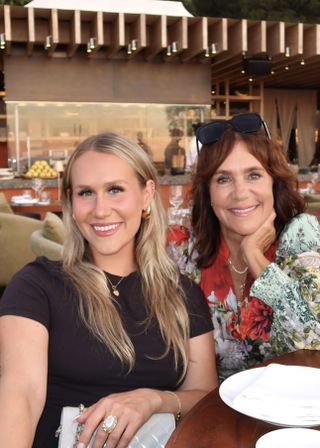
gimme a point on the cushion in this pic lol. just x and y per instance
(53, 228)
(4, 205)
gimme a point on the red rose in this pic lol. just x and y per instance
(256, 320)
(233, 326)
(177, 234)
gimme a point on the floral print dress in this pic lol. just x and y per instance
(281, 308)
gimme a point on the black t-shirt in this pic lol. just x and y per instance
(80, 368)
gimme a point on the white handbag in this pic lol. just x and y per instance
(153, 434)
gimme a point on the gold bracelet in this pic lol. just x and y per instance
(178, 414)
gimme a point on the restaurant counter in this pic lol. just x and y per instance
(17, 185)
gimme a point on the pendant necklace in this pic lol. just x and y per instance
(234, 269)
(114, 288)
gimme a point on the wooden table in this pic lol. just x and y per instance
(41, 209)
(213, 424)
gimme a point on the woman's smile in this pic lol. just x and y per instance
(105, 229)
(243, 211)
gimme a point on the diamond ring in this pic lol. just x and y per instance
(109, 423)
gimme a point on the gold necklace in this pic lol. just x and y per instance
(241, 299)
(234, 269)
(115, 290)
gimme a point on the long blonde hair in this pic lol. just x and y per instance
(161, 288)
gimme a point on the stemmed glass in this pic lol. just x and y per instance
(176, 200)
(37, 186)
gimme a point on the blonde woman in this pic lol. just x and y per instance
(113, 325)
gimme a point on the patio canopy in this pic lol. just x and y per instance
(157, 7)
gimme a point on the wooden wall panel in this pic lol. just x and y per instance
(83, 79)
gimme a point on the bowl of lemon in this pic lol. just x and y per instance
(41, 168)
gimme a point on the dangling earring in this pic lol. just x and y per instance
(146, 213)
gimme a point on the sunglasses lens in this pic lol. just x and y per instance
(246, 123)
(210, 133)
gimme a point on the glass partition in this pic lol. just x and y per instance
(51, 130)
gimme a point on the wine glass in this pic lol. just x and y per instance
(37, 186)
(176, 195)
(176, 200)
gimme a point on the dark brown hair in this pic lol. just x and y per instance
(287, 202)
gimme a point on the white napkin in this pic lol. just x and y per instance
(283, 394)
(23, 200)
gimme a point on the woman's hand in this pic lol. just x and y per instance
(132, 409)
(254, 246)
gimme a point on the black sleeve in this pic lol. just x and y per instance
(27, 294)
(198, 308)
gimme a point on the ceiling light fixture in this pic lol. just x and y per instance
(213, 49)
(174, 47)
(93, 43)
(2, 41)
(48, 42)
(134, 44)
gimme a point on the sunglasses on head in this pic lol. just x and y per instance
(243, 123)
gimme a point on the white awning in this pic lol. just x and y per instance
(156, 7)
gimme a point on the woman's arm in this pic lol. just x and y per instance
(291, 286)
(132, 409)
(293, 292)
(23, 381)
(201, 375)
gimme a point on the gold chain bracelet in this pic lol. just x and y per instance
(178, 413)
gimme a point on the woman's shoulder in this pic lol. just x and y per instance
(304, 218)
(41, 271)
(189, 285)
(301, 233)
(43, 264)
(196, 304)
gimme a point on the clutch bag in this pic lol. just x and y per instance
(154, 433)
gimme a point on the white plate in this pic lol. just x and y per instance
(290, 438)
(313, 197)
(237, 383)
(20, 200)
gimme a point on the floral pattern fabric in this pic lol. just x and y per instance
(281, 308)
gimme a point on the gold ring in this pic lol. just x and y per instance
(109, 423)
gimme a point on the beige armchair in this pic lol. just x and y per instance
(41, 245)
(15, 250)
(4, 204)
(48, 240)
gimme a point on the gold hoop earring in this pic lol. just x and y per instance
(146, 213)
